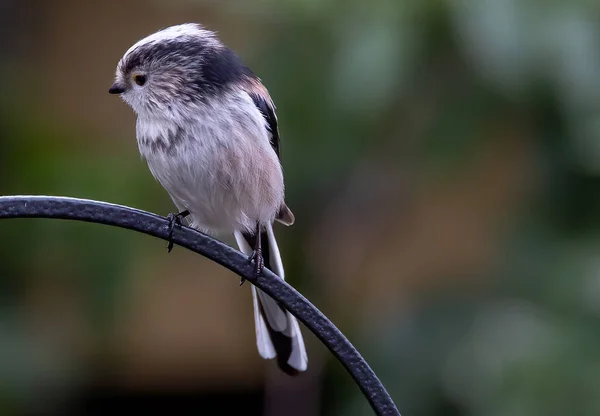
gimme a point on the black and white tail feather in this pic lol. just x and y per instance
(277, 331)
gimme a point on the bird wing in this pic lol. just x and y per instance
(263, 102)
(262, 99)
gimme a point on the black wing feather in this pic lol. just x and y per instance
(268, 111)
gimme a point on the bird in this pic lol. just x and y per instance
(207, 128)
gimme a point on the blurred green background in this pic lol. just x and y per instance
(442, 161)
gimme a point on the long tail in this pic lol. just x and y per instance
(277, 331)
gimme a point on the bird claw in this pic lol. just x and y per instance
(259, 263)
(174, 219)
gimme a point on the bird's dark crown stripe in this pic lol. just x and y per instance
(211, 69)
(223, 67)
(173, 50)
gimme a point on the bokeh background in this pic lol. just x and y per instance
(442, 161)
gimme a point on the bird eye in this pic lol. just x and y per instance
(139, 79)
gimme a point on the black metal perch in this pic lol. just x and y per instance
(157, 226)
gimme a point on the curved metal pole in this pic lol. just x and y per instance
(157, 226)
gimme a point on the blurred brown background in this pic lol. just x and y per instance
(442, 160)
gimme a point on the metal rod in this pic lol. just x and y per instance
(157, 226)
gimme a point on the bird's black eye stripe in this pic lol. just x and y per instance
(140, 79)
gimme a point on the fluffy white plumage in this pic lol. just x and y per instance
(224, 171)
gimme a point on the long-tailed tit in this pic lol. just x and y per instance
(207, 128)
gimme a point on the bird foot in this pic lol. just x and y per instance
(259, 263)
(174, 219)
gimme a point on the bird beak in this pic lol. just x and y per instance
(116, 88)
